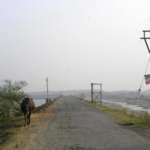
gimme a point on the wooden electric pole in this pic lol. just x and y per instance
(101, 92)
(47, 94)
(92, 98)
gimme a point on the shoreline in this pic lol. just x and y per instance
(135, 108)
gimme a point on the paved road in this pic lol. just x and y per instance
(77, 126)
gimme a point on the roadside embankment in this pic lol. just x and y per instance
(13, 134)
(124, 117)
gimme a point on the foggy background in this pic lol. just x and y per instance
(74, 42)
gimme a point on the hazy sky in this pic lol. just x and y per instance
(74, 42)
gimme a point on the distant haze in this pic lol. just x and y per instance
(74, 42)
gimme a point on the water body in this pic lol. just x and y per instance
(136, 105)
(39, 102)
(140, 106)
(132, 107)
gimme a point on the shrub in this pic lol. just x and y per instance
(10, 95)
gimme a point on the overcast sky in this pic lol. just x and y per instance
(74, 42)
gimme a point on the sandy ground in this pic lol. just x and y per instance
(71, 124)
(23, 136)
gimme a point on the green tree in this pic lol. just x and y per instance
(10, 95)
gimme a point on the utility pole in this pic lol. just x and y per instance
(47, 94)
(146, 38)
(101, 92)
(92, 99)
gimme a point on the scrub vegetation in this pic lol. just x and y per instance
(11, 94)
(11, 117)
(15, 136)
(124, 117)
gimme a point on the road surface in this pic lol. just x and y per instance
(78, 126)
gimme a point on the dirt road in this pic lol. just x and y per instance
(77, 126)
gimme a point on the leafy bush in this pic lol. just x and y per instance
(11, 94)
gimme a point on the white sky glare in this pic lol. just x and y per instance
(74, 42)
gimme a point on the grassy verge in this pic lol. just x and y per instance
(124, 117)
(10, 128)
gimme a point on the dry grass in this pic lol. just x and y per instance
(124, 117)
(18, 135)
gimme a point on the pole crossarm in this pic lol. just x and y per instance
(145, 38)
(96, 83)
(146, 30)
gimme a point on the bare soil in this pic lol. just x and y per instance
(19, 136)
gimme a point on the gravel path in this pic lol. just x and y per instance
(78, 126)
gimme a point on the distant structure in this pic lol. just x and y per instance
(146, 37)
(99, 91)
